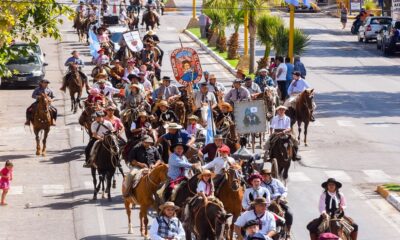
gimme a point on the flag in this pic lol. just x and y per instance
(210, 127)
(306, 2)
(94, 44)
(293, 2)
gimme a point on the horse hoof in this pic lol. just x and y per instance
(38, 153)
(305, 144)
(130, 231)
(44, 154)
(110, 199)
(94, 198)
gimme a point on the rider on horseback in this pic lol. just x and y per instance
(212, 149)
(177, 135)
(102, 59)
(117, 73)
(74, 67)
(151, 6)
(280, 125)
(225, 114)
(297, 86)
(42, 89)
(203, 98)
(332, 204)
(144, 155)
(278, 194)
(255, 191)
(99, 128)
(252, 87)
(237, 93)
(263, 80)
(81, 9)
(152, 37)
(167, 225)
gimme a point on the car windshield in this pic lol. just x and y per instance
(33, 60)
(116, 37)
(381, 21)
(35, 48)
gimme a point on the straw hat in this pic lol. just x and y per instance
(265, 171)
(281, 107)
(142, 114)
(174, 126)
(259, 201)
(135, 85)
(168, 204)
(206, 172)
(193, 117)
(100, 76)
(150, 32)
(163, 103)
(226, 105)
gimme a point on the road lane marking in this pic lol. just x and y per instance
(16, 190)
(345, 123)
(377, 125)
(299, 177)
(339, 175)
(377, 176)
(52, 189)
(318, 123)
(100, 220)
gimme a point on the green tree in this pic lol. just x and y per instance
(267, 26)
(219, 20)
(281, 41)
(28, 21)
(236, 19)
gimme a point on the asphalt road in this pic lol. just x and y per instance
(355, 140)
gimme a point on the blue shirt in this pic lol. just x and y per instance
(299, 66)
(39, 90)
(263, 82)
(181, 136)
(275, 188)
(289, 73)
(75, 60)
(178, 166)
(297, 86)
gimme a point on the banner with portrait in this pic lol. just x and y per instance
(186, 65)
(250, 117)
(133, 41)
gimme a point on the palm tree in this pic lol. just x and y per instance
(266, 29)
(281, 41)
(235, 18)
(219, 22)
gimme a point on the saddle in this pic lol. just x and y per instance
(132, 179)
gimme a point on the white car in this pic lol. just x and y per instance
(32, 49)
(116, 32)
(371, 27)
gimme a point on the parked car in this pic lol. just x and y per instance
(388, 38)
(27, 71)
(32, 49)
(371, 26)
(116, 32)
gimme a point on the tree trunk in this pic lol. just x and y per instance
(252, 33)
(233, 46)
(263, 62)
(221, 43)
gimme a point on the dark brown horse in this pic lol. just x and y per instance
(86, 119)
(303, 112)
(206, 222)
(42, 122)
(150, 18)
(75, 85)
(281, 155)
(231, 195)
(133, 20)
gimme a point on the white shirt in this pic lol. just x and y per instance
(278, 122)
(298, 86)
(208, 98)
(108, 91)
(267, 221)
(154, 232)
(219, 164)
(147, 85)
(102, 129)
(202, 187)
(256, 193)
(282, 76)
(218, 85)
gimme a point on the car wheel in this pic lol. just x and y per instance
(366, 39)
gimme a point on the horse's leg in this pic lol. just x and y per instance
(143, 225)
(102, 179)
(37, 142)
(109, 181)
(46, 133)
(93, 170)
(78, 99)
(299, 128)
(305, 132)
(145, 222)
(128, 212)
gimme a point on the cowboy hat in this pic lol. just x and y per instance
(174, 126)
(227, 105)
(259, 200)
(44, 81)
(111, 107)
(148, 139)
(237, 81)
(225, 149)
(101, 81)
(250, 223)
(281, 107)
(115, 61)
(100, 75)
(212, 76)
(168, 204)
(99, 114)
(193, 117)
(254, 176)
(163, 103)
(166, 78)
(142, 114)
(206, 172)
(135, 85)
(133, 75)
(218, 136)
(150, 32)
(185, 147)
(265, 171)
(331, 180)
(263, 70)
(240, 71)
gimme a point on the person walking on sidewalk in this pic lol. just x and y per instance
(203, 22)
(343, 14)
(6, 175)
(281, 77)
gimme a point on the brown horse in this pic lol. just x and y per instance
(133, 20)
(150, 18)
(75, 85)
(143, 195)
(86, 119)
(231, 195)
(180, 111)
(81, 27)
(303, 112)
(281, 155)
(42, 122)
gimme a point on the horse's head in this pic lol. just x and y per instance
(308, 96)
(221, 220)
(159, 173)
(43, 100)
(234, 177)
(110, 141)
(282, 148)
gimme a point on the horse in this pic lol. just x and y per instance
(133, 20)
(338, 226)
(86, 119)
(150, 18)
(42, 122)
(231, 194)
(281, 155)
(232, 138)
(185, 191)
(106, 160)
(81, 27)
(180, 111)
(206, 222)
(143, 195)
(75, 85)
(303, 112)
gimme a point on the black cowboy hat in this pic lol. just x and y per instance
(331, 180)
(44, 81)
(166, 78)
(250, 223)
(185, 147)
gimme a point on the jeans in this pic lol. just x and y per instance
(88, 149)
(282, 87)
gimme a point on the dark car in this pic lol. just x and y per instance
(27, 71)
(388, 39)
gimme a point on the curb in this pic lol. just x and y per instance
(212, 53)
(391, 198)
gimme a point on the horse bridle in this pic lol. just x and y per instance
(110, 150)
(207, 218)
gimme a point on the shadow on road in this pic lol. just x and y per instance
(392, 70)
(14, 157)
(358, 104)
(108, 237)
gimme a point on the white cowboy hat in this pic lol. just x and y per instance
(150, 32)
(281, 107)
(206, 172)
(174, 126)
(168, 204)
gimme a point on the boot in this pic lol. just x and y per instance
(353, 235)
(313, 236)
(28, 122)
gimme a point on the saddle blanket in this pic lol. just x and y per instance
(132, 179)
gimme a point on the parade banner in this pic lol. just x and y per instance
(186, 65)
(250, 117)
(133, 41)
